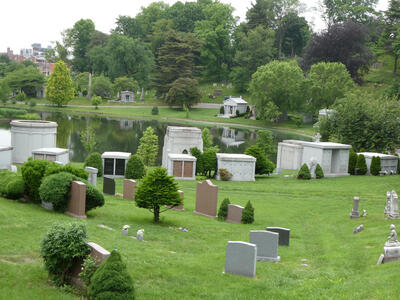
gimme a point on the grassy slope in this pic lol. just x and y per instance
(176, 265)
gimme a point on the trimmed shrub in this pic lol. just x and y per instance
(78, 172)
(94, 160)
(33, 172)
(56, 189)
(375, 167)
(15, 188)
(248, 214)
(135, 168)
(361, 165)
(270, 167)
(5, 178)
(21, 97)
(89, 267)
(224, 174)
(112, 280)
(352, 161)
(61, 247)
(12, 113)
(318, 172)
(197, 153)
(94, 198)
(221, 110)
(304, 172)
(154, 110)
(261, 159)
(223, 209)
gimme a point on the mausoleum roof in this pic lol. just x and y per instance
(323, 145)
(177, 156)
(121, 155)
(50, 151)
(235, 100)
(5, 148)
(381, 155)
(236, 157)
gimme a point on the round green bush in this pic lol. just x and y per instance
(352, 161)
(319, 173)
(6, 177)
(15, 188)
(304, 172)
(375, 167)
(33, 172)
(361, 165)
(94, 198)
(56, 190)
(223, 209)
(221, 110)
(248, 214)
(135, 168)
(94, 160)
(111, 281)
(154, 110)
(79, 172)
(61, 247)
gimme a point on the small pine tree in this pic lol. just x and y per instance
(304, 172)
(248, 214)
(361, 165)
(135, 168)
(148, 147)
(223, 209)
(318, 172)
(111, 280)
(375, 167)
(352, 161)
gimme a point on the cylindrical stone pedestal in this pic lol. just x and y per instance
(355, 213)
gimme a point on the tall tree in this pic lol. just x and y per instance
(185, 15)
(60, 89)
(183, 92)
(148, 147)
(358, 11)
(25, 79)
(280, 83)
(390, 34)
(293, 35)
(254, 49)
(176, 58)
(79, 37)
(344, 43)
(215, 31)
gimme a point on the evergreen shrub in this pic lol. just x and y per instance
(15, 188)
(111, 281)
(304, 172)
(94, 160)
(56, 190)
(248, 214)
(5, 178)
(135, 168)
(154, 110)
(352, 161)
(361, 165)
(223, 209)
(319, 173)
(78, 172)
(375, 167)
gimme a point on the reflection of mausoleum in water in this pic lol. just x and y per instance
(231, 138)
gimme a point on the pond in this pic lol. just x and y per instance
(113, 134)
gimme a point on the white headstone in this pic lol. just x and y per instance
(92, 175)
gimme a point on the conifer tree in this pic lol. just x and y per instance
(148, 147)
(60, 89)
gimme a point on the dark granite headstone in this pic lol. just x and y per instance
(108, 186)
(284, 235)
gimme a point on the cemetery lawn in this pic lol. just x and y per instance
(172, 264)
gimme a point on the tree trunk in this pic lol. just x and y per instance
(157, 214)
(396, 57)
(89, 94)
(280, 46)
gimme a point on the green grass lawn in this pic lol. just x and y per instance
(172, 264)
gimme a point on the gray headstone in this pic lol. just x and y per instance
(240, 258)
(284, 235)
(354, 212)
(267, 244)
(92, 175)
(108, 186)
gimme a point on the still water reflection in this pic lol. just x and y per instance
(114, 134)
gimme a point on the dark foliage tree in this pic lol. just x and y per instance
(375, 167)
(183, 92)
(261, 160)
(343, 42)
(352, 161)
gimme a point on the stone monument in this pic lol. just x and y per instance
(108, 186)
(92, 175)
(392, 208)
(77, 202)
(129, 189)
(391, 250)
(206, 199)
(241, 166)
(179, 140)
(354, 212)
(284, 235)
(5, 157)
(240, 258)
(234, 213)
(388, 162)
(267, 245)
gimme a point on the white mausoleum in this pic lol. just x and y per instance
(114, 164)
(231, 105)
(27, 135)
(332, 157)
(52, 154)
(5, 157)
(179, 140)
(241, 166)
(388, 162)
(182, 166)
